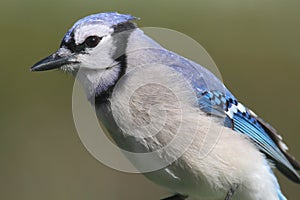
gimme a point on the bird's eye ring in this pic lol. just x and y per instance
(92, 41)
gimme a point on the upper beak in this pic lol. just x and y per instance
(53, 61)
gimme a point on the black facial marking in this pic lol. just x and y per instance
(127, 26)
(90, 42)
(72, 46)
(93, 41)
(121, 34)
(103, 96)
(120, 37)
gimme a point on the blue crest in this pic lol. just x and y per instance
(108, 19)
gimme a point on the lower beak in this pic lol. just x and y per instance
(53, 61)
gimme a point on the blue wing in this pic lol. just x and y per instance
(215, 99)
(243, 120)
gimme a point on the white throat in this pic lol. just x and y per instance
(96, 81)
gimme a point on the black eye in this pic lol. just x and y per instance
(92, 41)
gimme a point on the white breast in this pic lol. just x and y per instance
(159, 107)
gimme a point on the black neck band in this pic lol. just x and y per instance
(103, 96)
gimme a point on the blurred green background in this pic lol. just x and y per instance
(254, 43)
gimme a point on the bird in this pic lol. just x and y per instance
(169, 96)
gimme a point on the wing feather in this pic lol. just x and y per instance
(244, 121)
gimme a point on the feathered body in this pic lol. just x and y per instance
(141, 88)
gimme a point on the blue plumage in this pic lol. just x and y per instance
(240, 119)
(109, 19)
(212, 176)
(215, 99)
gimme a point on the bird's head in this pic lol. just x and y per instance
(96, 44)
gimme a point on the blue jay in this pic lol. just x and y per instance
(104, 50)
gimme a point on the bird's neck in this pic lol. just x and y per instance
(138, 41)
(99, 84)
(134, 44)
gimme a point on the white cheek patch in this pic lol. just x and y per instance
(82, 32)
(100, 57)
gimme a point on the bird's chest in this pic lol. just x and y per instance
(155, 118)
(149, 104)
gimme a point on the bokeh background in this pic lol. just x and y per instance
(254, 43)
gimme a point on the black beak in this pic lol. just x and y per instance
(53, 61)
